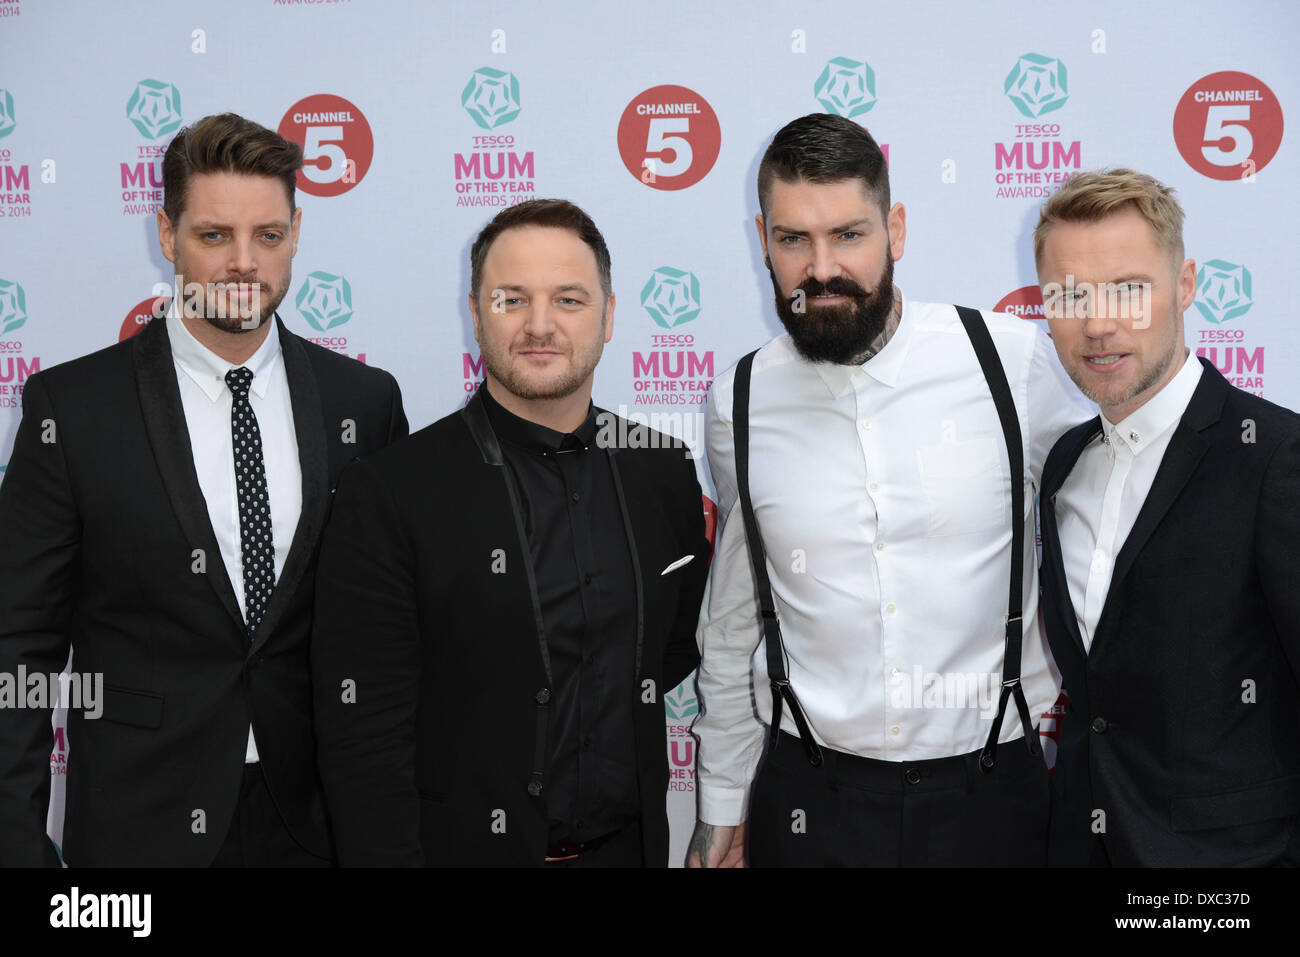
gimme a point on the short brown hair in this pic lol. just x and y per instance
(1093, 195)
(226, 143)
(559, 213)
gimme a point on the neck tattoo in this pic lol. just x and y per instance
(887, 333)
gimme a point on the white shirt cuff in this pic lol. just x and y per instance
(724, 807)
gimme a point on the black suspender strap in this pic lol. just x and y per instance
(1006, 406)
(781, 689)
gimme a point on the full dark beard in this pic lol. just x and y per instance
(839, 334)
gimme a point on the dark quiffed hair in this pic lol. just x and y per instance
(824, 148)
(559, 213)
(226, 143)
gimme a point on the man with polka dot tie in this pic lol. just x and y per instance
(162, 510)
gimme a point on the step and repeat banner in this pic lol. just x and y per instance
(419, 120)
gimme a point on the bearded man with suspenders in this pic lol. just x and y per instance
(874, 586)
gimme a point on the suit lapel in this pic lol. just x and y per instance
(630, 522)
(476, 420)
(1186, 448)
(164, 421)
(1070, 447)
(313, 460)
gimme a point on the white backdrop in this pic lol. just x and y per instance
(421, 119)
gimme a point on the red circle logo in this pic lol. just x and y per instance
(337, 145)
(141, 314)
(669, 137)
(1228, 125)
(1025, 303)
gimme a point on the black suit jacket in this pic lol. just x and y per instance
(108, 548)
(1183, 728)
(432, 674)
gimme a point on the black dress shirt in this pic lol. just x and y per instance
(586, 587)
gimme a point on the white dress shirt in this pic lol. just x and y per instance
(882, 493)
(1100, 499)
(201, 376)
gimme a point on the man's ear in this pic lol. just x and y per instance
(762, 234)
(473, 312)
(166, 237)
(1186, 285)
(297, 225)
(609, 319)
(897, 223)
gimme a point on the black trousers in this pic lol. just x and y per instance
(858, 812)
(257, 836)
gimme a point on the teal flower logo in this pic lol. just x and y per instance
(325, 300)
(1222, 291)
(681, 703)
(7, 121)
(13, 306)
(1037, 85)
(155, 108)
(846, 87)
(671, 296)
(491, 97)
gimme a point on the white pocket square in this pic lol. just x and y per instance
(684, 560)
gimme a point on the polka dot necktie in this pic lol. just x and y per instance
(257, 547)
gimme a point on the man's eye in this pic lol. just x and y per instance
(570, 301)
(211, 236)
(271, 237)
(851, 235)
(789, 240)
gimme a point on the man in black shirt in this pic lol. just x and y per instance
(504, 599)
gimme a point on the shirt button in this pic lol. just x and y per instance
(874, 487)
(913, 776)
(895, 729)
(586, 580)
(891, 608)
(576, 496)
(866, 424)
(534, 788)
(543, 696)
(1099, 725)
(894, 672)
(880, 546)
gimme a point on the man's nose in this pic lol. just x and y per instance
(243, 257)
(823, 266)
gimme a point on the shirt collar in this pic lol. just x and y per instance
(533, 436)
(208, 370)
(885, 366)
(1158, 414)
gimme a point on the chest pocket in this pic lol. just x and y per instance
(965, 490)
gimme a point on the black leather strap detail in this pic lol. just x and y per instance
(776, 670)
(996, 377)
